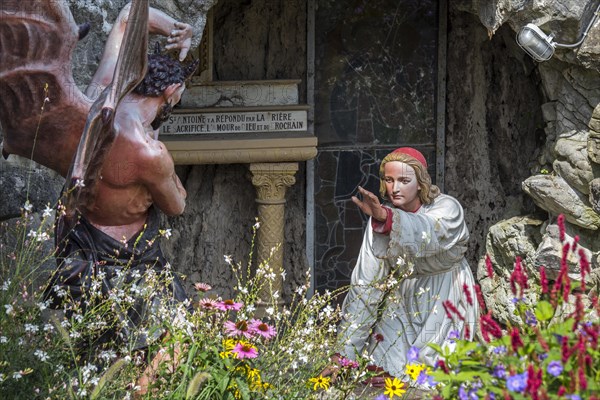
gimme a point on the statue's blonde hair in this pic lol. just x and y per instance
(428, 190)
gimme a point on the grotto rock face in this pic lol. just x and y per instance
(508, 239)
(101, 15)
(565, 178)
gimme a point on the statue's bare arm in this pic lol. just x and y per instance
(158, 176)
(179, 37)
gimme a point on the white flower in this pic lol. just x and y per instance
(28, 206)
(17, 375)
(256, 225)
(422, 291)
(32, 234)
(3, 339)
(166, 233)
(270, 276)
(42, 355)
(270, 310)
(425, 236)
(283, 273)
(9, 309)
(435, 309)
(47, 211)
(42, 237)
(228, 259)
(108, 355)
(42, 305)
(276, 294)
(6, 285)
(31, 328)
(79, 183)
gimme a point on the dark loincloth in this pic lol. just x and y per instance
(84, 252)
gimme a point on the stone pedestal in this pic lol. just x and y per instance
(271, 181)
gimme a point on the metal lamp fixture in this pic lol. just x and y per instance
(541, 46)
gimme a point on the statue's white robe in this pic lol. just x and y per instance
(432, 241)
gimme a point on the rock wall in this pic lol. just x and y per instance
(564, 179)
(493, 108)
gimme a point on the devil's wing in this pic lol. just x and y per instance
(98, 135)
(42, 111)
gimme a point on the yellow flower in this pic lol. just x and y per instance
(229, 344)
(226, 354)
(320, 382)
(413, 370)
(253, 374)
(393, 388)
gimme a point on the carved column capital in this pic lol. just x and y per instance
(271, 180)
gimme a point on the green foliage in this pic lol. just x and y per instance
(553, 354)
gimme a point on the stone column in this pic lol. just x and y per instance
(271, 181)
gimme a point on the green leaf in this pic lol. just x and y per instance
(446, 391)
(467, 347)
(436, 347)
(544, 311)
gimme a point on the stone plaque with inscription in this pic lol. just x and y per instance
(233, 120)
(240, 122)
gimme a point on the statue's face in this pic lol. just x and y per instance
(165, 111)
(401, 185)
(163, 115)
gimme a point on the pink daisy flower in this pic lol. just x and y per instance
(263, 329)
(202, 287)
(245, 350)
(240, 328)
(229, 305)
(208, 304)
(346, 362)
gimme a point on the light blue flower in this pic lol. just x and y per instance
(499, 371)
(517, 383)
(464, 395)
(413, 354)
(453, 335)
(425, 379)
(530, 318)
(554, 368)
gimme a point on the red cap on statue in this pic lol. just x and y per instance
(409, 151)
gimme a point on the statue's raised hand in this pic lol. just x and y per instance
(180, 38)
(370, 205)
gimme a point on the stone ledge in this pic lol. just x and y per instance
(241, 149)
